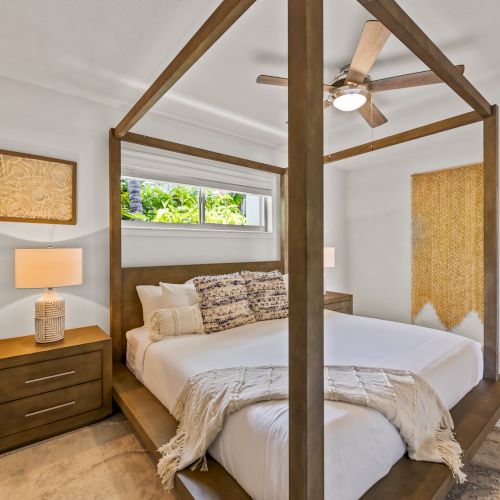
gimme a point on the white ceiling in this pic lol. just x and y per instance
(111, 50)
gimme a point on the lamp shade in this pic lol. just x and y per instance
(329, 257)
(48, 267)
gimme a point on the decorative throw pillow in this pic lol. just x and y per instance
(175, 295)
(223, 302)
(183, 320)
(267, 294)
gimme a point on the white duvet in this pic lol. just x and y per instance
(360, 444)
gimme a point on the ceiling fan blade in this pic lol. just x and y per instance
(283, 82)
(408, 81)
(272, 80)
(372, 114)
(372, 40)
(326, 104)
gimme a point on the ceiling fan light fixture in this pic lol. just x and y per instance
(350, 98)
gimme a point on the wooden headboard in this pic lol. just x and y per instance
(131, 309)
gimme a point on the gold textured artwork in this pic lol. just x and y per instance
(37, 189)
(447, 243)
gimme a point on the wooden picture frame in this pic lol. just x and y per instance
(71, 189)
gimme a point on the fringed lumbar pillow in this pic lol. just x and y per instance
(267, 294)
(223, 301)
(183, 320)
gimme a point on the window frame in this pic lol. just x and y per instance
(157, 165)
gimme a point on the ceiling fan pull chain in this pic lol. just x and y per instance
(330, 135)
(329, 138)
(371, 120)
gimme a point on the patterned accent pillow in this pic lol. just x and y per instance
(223, 301)
(267, 294)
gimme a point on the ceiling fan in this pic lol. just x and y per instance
(352, 89)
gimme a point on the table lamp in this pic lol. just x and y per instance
(328, 262)
(48, 268)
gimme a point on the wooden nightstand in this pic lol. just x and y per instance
(47, 389)
(341, 302)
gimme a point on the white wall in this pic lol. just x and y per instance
(187, 246)
(39, 121)
(45, 122)
(379, 220)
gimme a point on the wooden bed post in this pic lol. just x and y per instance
(406, 136)
(305, 188)
(491, 334)
(284, 221)
(222, 18)
(115, 245)
(397, 21)
(206, 154)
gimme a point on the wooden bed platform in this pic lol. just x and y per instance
(474, 417)
(155, 426)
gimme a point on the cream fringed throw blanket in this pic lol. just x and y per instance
(404, 398)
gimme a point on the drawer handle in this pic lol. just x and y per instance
(49, 409)
(49, 377)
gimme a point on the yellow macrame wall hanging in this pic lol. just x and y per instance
(447, 243)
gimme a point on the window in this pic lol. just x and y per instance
(161, 201)
(169, 191)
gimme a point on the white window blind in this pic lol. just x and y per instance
(180, 169)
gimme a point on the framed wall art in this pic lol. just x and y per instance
(37, 189)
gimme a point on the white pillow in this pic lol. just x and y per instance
(175, 295)
(151, 300)
(285, 279)
(175, 321)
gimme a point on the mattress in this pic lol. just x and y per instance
(360, 444)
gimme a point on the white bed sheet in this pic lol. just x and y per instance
(360, 444)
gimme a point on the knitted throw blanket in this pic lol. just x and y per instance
(404, 398)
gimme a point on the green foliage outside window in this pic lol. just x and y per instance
(177, 204)
(222, 207)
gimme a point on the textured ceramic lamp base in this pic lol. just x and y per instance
(49, 317)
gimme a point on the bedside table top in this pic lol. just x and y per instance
(332, 297)
(26, 345)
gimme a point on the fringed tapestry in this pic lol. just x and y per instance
(447, 243)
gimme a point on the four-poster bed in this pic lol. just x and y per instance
(302, 187)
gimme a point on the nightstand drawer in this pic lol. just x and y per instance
(343, 307)
(336, 301)
(23, 414)
(37, 378)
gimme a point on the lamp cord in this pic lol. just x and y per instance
(52, 235)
